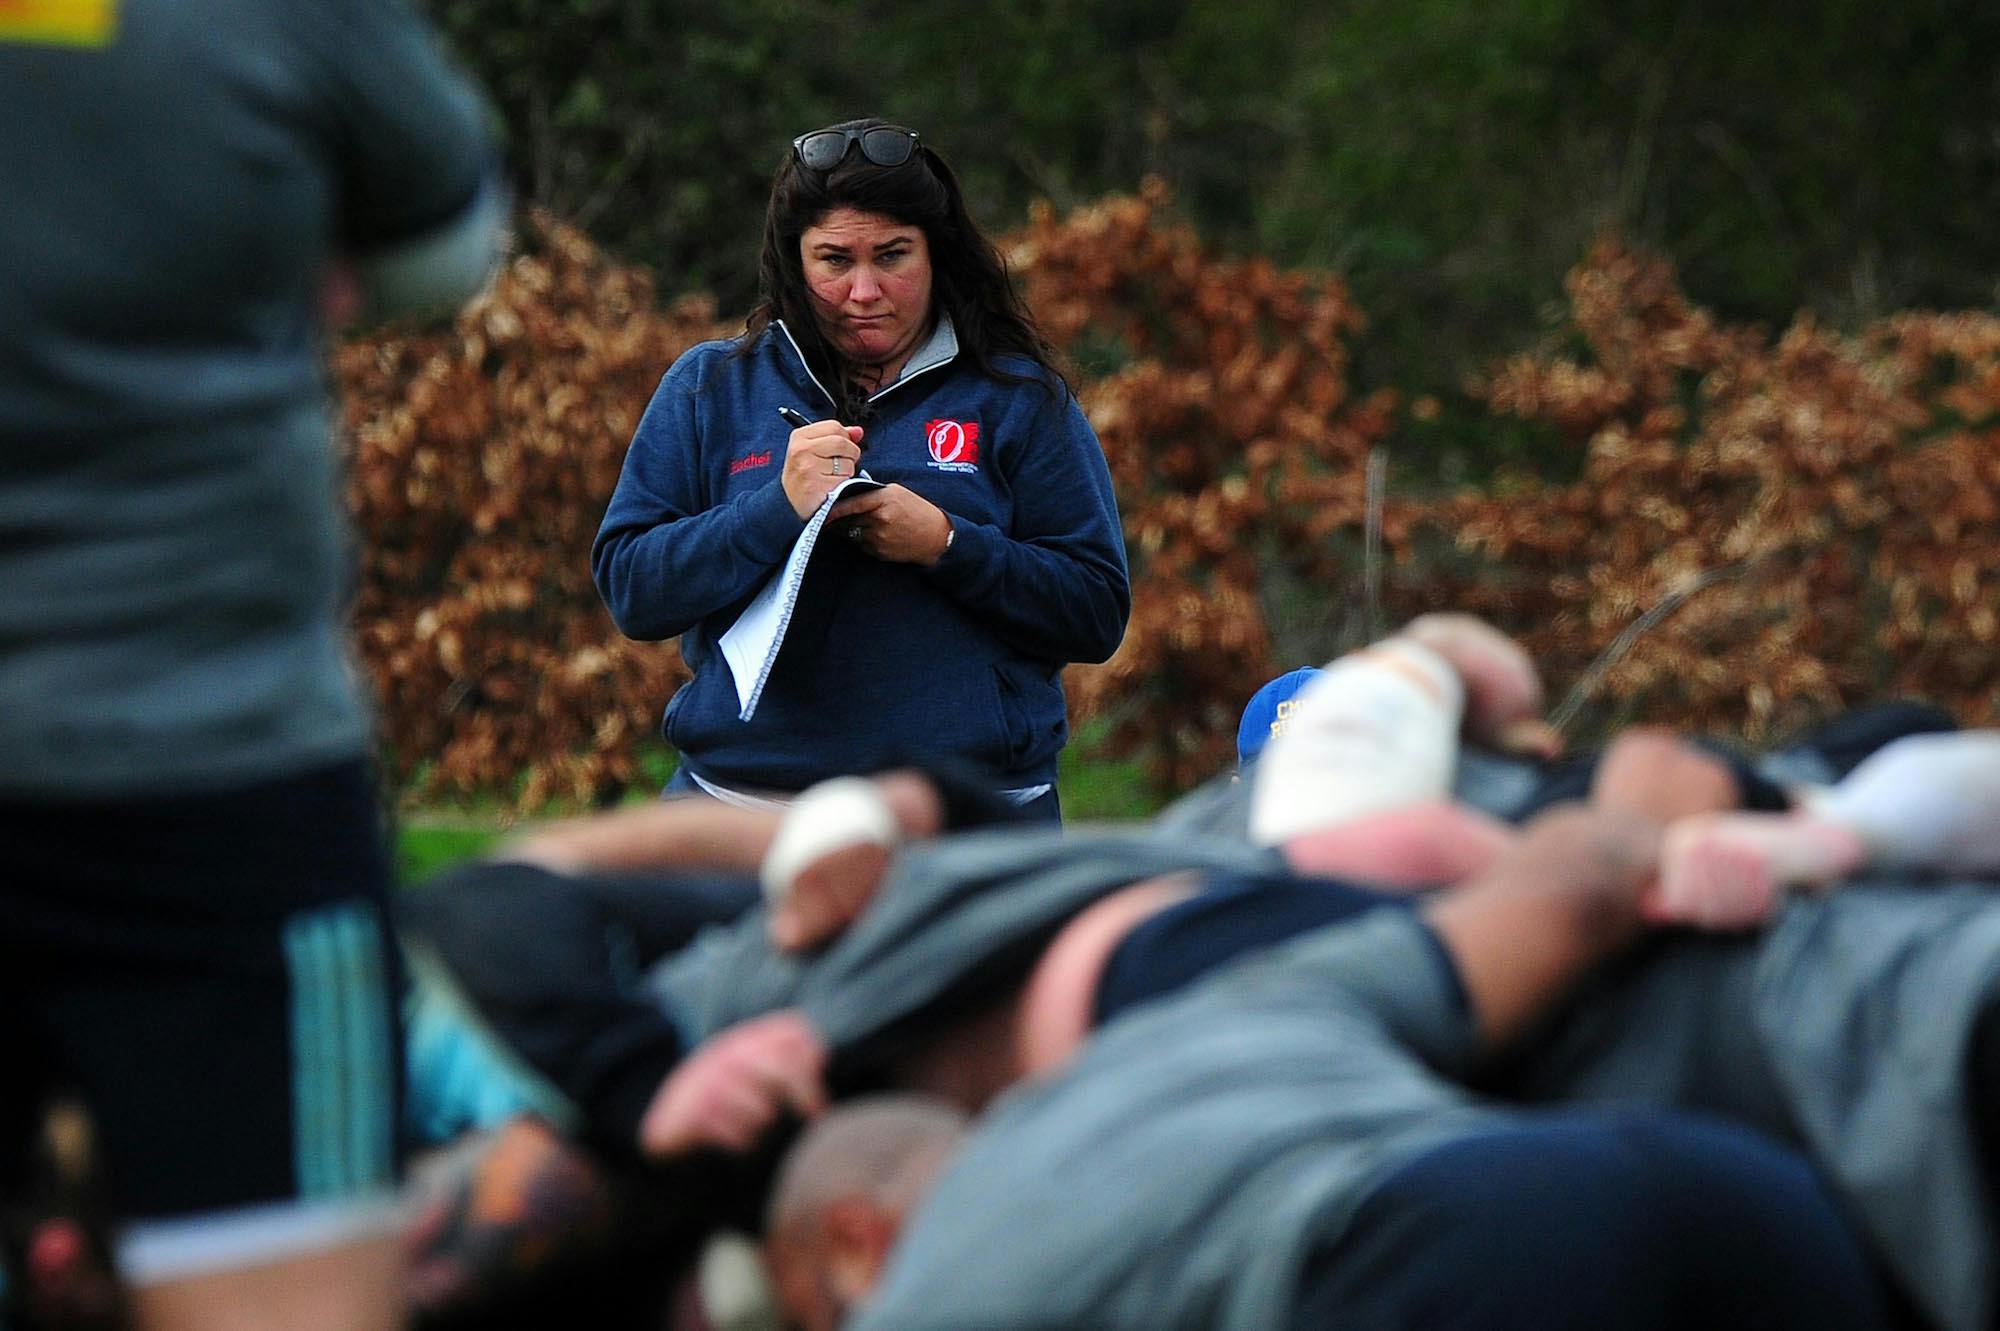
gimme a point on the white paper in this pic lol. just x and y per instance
(752, 643)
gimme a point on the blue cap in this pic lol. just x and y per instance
(1269, 712)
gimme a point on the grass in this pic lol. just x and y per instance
(1094, 788)
(425, 845)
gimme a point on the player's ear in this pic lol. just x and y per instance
(859, 1234)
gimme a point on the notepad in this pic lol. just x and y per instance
(751, 645)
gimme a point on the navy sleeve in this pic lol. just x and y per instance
(663, 559)
(1056, 586)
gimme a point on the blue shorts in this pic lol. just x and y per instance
(213, 977)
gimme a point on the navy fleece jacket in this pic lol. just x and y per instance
(883, 662)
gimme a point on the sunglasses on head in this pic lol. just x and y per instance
(884, 145)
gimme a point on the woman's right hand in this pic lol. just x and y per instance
(810, 460)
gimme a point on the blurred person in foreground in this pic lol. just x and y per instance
(938, 617)
(192, 923)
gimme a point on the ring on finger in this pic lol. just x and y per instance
(838, 467)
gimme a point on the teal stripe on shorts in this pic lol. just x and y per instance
(343, 1078)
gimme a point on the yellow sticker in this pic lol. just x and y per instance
(59, 22)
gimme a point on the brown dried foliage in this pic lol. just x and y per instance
(483, 456)
(1235, 446)
(1847, 485)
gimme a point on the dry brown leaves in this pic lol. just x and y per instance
(1233, 440)
(483, 457)
(1852, 481)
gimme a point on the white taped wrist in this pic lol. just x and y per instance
(846, 811)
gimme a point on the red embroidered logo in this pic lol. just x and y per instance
(749, 461)
(953, 445)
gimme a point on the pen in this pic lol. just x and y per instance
(794, 418)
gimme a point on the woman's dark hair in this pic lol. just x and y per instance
(969, 278)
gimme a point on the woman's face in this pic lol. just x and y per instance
(869, 278)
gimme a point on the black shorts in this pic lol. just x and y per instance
(213, 977)
(1631, 1218)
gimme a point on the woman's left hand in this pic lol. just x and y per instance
(896, 524)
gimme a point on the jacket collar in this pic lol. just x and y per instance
(939, 349)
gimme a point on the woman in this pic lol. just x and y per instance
(937, 626)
